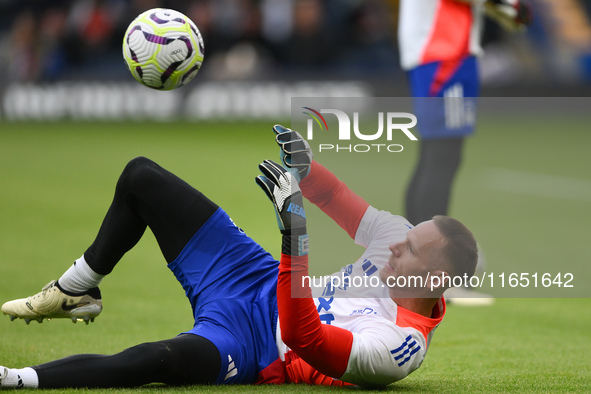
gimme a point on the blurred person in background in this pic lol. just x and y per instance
(23, 60)
(308, 44)
(439, 42)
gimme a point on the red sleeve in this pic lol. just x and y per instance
(326, 348)
(333, 197)
(299, 371)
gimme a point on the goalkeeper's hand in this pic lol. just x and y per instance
(296, 154)
(283, 191)
(285, 194)
(513, 15)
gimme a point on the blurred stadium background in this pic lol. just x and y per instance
(525, 187)
(259, 53)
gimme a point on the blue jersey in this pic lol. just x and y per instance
(231, 282)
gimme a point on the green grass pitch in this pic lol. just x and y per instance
(57, 180)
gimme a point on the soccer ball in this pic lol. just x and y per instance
(163, 49)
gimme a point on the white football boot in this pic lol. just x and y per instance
(9, 382)
(52, 302)
(3, 374)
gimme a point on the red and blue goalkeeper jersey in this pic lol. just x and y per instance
(349, 334)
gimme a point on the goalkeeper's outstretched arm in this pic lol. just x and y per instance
(324, 347)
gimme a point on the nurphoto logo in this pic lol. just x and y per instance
(390, 125)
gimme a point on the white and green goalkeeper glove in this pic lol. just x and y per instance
(296, 154)
(285, 194)
(513, 15)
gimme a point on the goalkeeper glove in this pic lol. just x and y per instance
(513, 15)
(285, 194)
(296, 154)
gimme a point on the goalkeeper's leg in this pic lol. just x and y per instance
(185, 360)
(146, 195)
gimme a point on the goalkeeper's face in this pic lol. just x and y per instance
(413, 260)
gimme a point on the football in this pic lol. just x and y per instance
(163, 49)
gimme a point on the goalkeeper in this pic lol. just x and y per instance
(251, 324)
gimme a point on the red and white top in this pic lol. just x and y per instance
(438, 30)
(350, 334)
